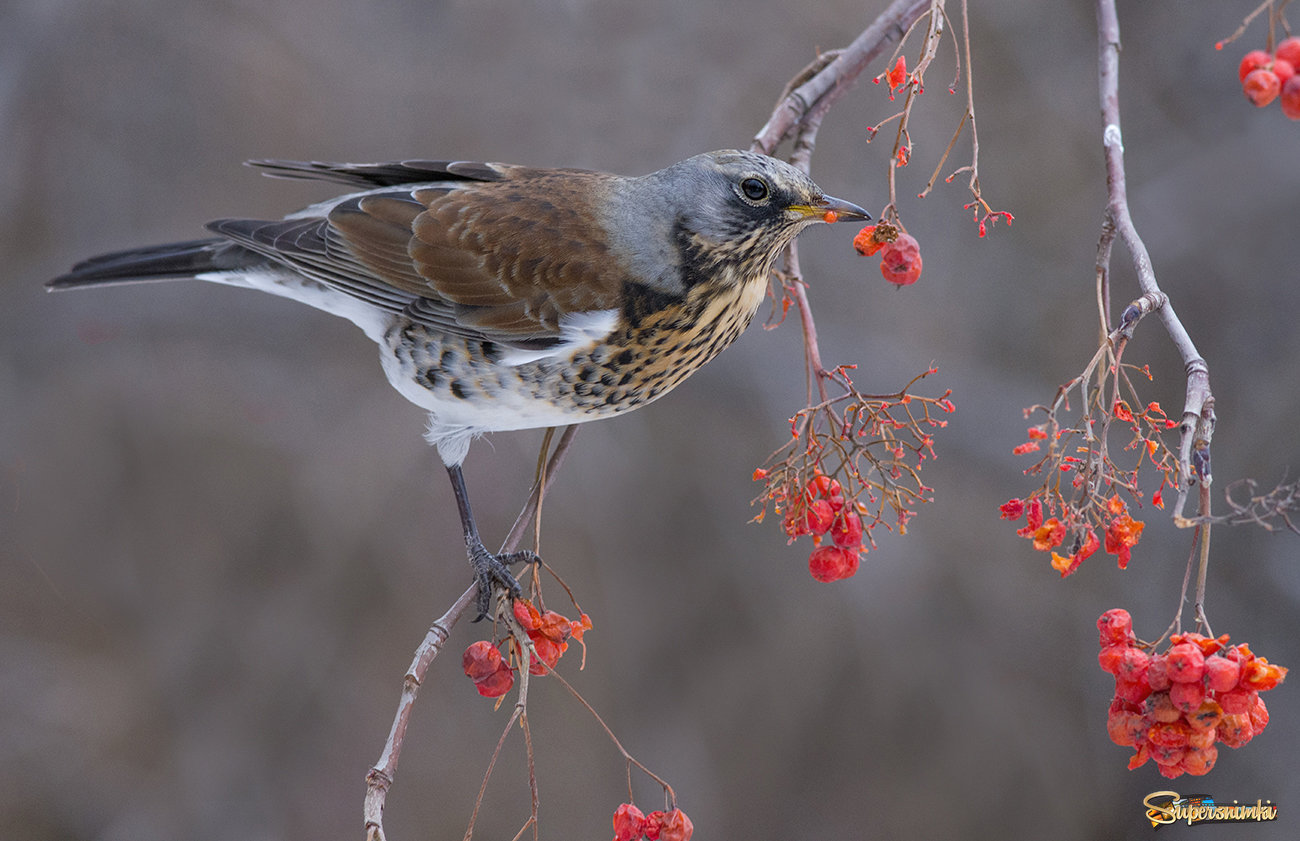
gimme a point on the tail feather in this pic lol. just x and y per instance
(174, 261)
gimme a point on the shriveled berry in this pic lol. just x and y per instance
(1235, 730)
(1260, 675)
(1173, 734)
(1253, 60)
(900, 260)
(654, 823)
(675, 826)
(832, 563)
(480, 660)
(866, 242)
(1261, 87)
(1290, 98)
(1258, 715)
(629, 823)
(548, 652)
(1116, 626)
(496, 684)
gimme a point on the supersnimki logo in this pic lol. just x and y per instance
(1166, 807)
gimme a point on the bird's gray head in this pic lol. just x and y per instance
(727, 206)
(730, 197)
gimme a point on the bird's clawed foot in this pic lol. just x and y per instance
(492, 572)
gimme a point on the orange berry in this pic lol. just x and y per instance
(866, 243)
(675, 826)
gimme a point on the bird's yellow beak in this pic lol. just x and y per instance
(831, 209)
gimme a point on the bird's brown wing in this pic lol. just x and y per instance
(502, 252)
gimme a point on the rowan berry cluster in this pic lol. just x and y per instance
(1173, 707)
(900, 253)
(548, 631)
(630, 824)
(820, 510)
(1268, 76)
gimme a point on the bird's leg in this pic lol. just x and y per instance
(489, 570)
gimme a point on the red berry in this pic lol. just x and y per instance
(846, 530)
(866, 243)
(1290, 98)
(1116, 626)
(1221, 674)
(819, 516)
(1133, 666)
(831, 563)
(629, 823)
(1111, 657)
(1261, 87)
(549, 653)
(496, 684)
(1289, 51)
(1284, 70)
(900, 260)
(1135, 692)
(1158, 673)
(1238, 701)
(1186, 663)
(1253, 60)
(654, 823)
(480, 660)
(1187, 696)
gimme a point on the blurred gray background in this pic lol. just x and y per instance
(221, 535)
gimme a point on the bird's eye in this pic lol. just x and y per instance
(755, 189)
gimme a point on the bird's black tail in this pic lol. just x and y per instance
(175, 261)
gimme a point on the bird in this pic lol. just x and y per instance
(506, 297)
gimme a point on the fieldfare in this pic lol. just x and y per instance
(505, 297)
